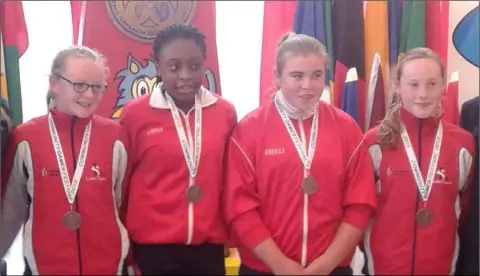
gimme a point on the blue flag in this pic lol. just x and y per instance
(350, 95)
(395, 8)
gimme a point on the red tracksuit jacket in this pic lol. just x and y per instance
(30, 177)
(395, 244)
(158, 212)
(263, 198)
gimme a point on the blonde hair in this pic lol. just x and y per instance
(75, 51)
(389, 129)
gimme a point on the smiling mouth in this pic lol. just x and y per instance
(85, 105)
(306, 96)
(423, 104)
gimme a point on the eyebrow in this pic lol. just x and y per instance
(300, 72)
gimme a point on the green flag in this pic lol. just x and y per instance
(15, 42)
(412, 32)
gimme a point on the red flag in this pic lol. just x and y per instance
(451, 112)
(348, 48)
(277, 20)
(436, 27)
(77, 17)
(14, 28)
(123, 31)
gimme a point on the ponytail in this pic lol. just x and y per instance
(389, 129)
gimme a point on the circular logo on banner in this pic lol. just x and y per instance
(142, 20)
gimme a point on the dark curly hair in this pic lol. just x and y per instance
(176, 31)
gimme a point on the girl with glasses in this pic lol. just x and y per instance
(63, 177)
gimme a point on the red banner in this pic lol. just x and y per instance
(123, 31)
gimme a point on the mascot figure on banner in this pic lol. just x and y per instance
(141, 21)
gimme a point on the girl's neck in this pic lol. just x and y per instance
(292, 111)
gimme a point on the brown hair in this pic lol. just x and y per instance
(60, 60)
(292, 44)
(390, 126)
(297, 44)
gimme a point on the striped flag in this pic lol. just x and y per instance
(376, 105)
(348, 49)
(278, 19)
(451, 113)
(78, 17)
(15, 43)
(350, 94)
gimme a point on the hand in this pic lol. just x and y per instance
(320, 266)
(288, 267)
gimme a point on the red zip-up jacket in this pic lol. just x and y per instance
(263, 197)
(158, 212)
(32, 188)
(395, 244)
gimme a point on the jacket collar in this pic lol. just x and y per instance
(413, 123)
(158, 100)
(62, 119)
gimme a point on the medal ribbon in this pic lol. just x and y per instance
(191, 158)
(70, 188)
(305, 156)
(423, 187)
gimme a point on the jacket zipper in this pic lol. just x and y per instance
(303, 262)
(415, 226)
(79, 250)
(191, 220)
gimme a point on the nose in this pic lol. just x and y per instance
(89, 93)
(306, 83)
(422, 93)
(185, 74)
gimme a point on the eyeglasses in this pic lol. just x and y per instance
(82, 87)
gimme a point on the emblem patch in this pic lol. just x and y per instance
(142, 20)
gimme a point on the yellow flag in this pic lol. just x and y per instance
(3, 78)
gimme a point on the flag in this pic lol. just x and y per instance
(466, 38)
(394, 27)
(326, 96)
(329, 44)
(277, 20)
(463, 47)
(376, 104)
(376, 40)
(350, 95)
(451, 113)
(78, 15)
(348, 49)
(436, 27)
(123, 31)
(310, 19)
(412, 33)
(15, 43)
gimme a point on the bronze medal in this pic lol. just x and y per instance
(72, 220)
(194, 194)
(424, 217)
(309, 185)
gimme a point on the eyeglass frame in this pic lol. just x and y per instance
(92, 86)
